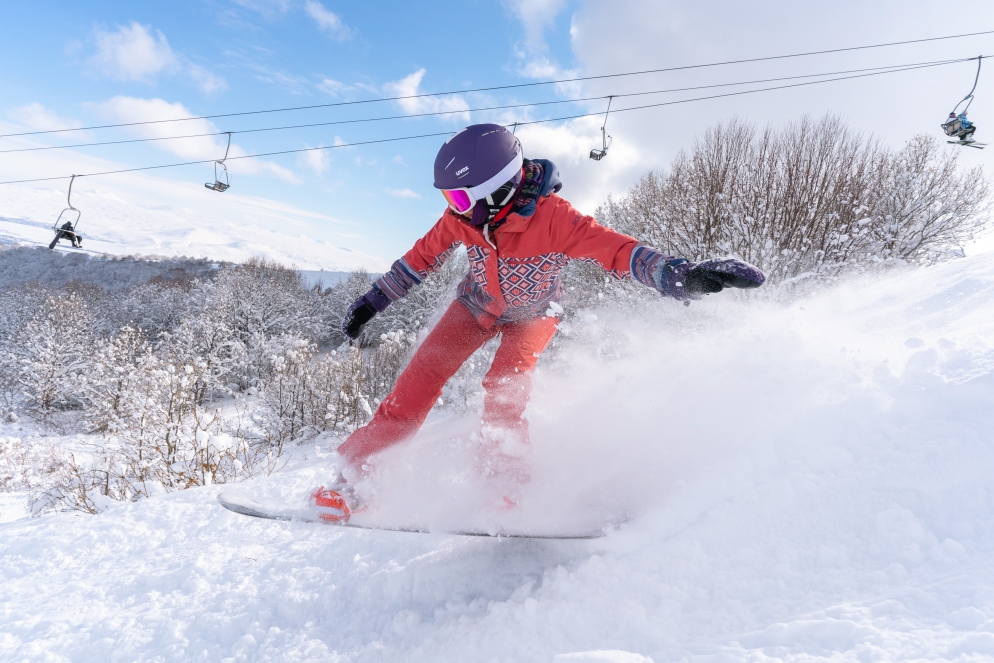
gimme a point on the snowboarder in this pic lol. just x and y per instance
(518, 234)
(66, 231)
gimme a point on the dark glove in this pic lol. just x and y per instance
(363, 310)
(684, 280)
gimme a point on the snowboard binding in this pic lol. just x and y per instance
(332, 505)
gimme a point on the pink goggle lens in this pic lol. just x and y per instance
(458, 199)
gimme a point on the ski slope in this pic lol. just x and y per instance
(808, 482)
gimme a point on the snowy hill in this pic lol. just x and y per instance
(162, 218)
(805, 482)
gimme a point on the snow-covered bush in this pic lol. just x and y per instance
(24, 465)
(51, 352)
(304, 393)
(158, 440)
(18, 304)
(156, 307)
(265, 298)
(811, 200)
(285, 390)
(206, 339)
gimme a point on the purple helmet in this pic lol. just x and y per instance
(476, 155)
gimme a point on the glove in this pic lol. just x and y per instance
(363, 310)
(683, 280)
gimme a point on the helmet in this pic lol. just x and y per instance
(479, 172)
(476, 155)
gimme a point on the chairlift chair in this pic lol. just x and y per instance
(67, 229)
(218, 185)
(606, 140)
(957, 125)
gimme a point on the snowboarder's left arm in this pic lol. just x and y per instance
(623, 257)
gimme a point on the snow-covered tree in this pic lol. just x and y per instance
(52, 355)
(810, 200)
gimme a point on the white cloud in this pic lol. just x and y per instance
(410, 86)
(291, 82)
(132, 52)
(135, 52)
(333, 87)
(316, 160)
(208, 81)
(404, 193)
(327, 20)
(37, 117)
(132, 109)
(536, 17)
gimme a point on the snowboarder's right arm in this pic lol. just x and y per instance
(428, 254)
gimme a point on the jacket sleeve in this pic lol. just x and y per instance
(620, 255)
(428, 254)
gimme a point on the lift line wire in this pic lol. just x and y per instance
(513, 86)
(883, 70)
(449, 133)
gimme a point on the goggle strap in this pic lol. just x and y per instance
(507, 172)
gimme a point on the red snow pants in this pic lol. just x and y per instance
(456, 336)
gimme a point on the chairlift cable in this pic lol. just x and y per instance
(882, 70)
(449, 133)
(246, 156)
(509, 87)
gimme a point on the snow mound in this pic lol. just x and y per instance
(804, 482)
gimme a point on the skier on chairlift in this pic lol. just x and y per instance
(519, 234)
(960, 127)
(66, 231)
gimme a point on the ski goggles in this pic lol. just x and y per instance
(463, 199)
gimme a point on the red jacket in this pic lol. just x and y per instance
(515, 274)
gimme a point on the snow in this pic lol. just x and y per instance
(803, 482)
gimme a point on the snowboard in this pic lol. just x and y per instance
(59, 235)
(249, 507)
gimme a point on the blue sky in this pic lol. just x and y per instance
(78, 64)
